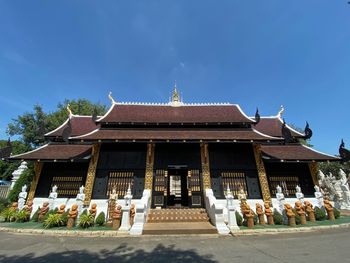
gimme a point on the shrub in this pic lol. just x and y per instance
(35, 217)
(320, 214)
(85, 212)
(277, 217)
(50, 212)
(22, 216)
(239, 218)
(297, 217)
(4, 203)
(53, 220)
(25, 178)
(64, 218)
(336, 213)
(86, 221)
(100, 219)
(255, 218)
(9, 215)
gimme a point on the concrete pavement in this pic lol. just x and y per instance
(320, 246)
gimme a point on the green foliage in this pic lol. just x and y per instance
(25, 178)
(53, 220)
(336, 213)
(35, 217)
(255, 218)
(85, 212)
(64, 218)
(277, 217)
(7, 168)
(333, 167)
(4, 203)
(31, 126)
(9, 215)
(297, 217)
(100, 220)
(22, 216)
(239, 218)
(86, 221)
(50, 212)
(320, 214)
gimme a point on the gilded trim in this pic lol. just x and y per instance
(313, 167)
(38, 167)
(264, 185)
(90, 178)
(149, 166)
(205, 166)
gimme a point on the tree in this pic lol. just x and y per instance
(32, 126)
(7, 168)
(333, 167)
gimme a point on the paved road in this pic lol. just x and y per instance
(327, 246)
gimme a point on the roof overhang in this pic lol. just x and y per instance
(57, 153)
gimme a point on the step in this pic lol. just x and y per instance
(177, 215)
(179, 228)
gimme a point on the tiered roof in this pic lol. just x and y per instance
(273, 127)
(172, 122)
(79, 124)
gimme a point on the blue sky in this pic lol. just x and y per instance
(254, 53)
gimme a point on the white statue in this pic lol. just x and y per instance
(113, 196)
(128, 197)
(229, 196)
(319, 196)
(52, 197)
(80, 199)
(299, 194)
(345, 188)
(241, 195)
(280, 198)
(22, 197)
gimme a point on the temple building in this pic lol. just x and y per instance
(177, 151)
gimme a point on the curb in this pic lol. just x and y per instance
(77, 233)
(288, 230)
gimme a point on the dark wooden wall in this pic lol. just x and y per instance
(177, 154)
(300, 170)
(119, 156)
(51, 170)
(233, 157)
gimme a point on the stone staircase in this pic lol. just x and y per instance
(178, 221)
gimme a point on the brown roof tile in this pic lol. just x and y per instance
(55, 152)
(174, 134)
(80, 125)
(295, 152)
(273, 126)
(168, 114)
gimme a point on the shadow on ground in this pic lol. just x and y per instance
(121, 254)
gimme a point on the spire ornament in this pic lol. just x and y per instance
(69, 110)
(281, 111)
(111, 98)
(175, 97)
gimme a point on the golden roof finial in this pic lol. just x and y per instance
(69, 110)
(111, 98)
(175, 97)
(279, 114)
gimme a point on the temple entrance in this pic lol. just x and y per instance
(177, 187)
